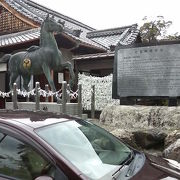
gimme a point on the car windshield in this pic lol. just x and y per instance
(94, 151)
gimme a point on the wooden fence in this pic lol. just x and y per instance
(64, 97)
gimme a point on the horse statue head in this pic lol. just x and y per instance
(50, 25)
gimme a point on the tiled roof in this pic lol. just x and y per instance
(23, 8)
(130, 36)
(111, 37)
(107, 32)
(98, 39)
(20, 37)
(38, 13)
(85, 41)
(29, 35)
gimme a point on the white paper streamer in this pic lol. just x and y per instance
(103, 91)
(43, 93)
(4, 94)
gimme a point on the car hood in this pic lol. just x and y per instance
(158, 168)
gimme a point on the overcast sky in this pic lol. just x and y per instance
(104, 14)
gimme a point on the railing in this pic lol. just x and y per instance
(63, 96)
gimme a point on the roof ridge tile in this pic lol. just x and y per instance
(111, 31)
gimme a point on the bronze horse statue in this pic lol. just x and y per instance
(39, 59)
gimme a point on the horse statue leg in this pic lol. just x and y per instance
(47, 73)
(13, 78)
(26, 80)
(72, 75)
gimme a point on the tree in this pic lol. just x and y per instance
(153, 30)
(175, 36)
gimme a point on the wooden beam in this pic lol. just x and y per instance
(94, 64)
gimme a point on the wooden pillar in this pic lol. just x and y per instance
(80, 100)
(76, 74)
(93, 101)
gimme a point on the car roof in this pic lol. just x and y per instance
(32, 119)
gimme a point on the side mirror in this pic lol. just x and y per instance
(44, 178)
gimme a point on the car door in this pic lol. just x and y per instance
(20, 160)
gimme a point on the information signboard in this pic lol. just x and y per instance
(149, 71)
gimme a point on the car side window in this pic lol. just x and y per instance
(21, 161)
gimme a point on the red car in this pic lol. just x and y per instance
(40, 146)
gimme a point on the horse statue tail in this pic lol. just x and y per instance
(5, 58)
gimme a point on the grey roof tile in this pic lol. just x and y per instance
(18, 39)
(3, 42)
(10, 41)
(13, 40)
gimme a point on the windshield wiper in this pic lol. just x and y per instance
(126, 161)
(131, 168)
(3, 138)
